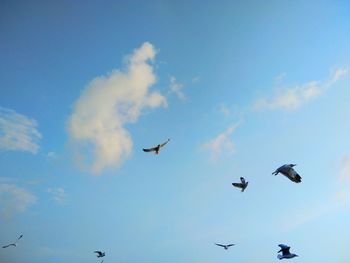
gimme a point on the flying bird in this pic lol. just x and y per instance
(100, 254)
(242, 185)
(13, 244)
(157, 148)
(225, 246)
(288, 171)
(285, 252)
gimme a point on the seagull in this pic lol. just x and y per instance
(243, 185)
(100, 254)
(285, 252)
(225, 246)
(157, 148)
(15, 243)
(288, 171)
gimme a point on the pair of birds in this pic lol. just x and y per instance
(14, 244)
(284, 249)
(287, 170)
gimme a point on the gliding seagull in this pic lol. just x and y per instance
(285, 252)
(288, 171)
(157, 148)
(243, 185)
(15, 243)
(225, 246)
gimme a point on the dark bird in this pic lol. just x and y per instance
(13, 244)
(285, 252)
(242, 185)
(225, 246)
(100, 254)
(157, 148)
(288, 171)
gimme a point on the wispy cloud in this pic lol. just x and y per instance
(59, 194)
(18, 132)
(337, 201)
(14, 199)
(221, 143)
(224, 110)
(294, 97)
(107, 104)
(195, 79)
(345, 169)
(177, 88)
(281, 76)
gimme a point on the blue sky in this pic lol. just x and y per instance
(240, 88)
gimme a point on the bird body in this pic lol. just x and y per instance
(100, 254)
(288, 171)
(157, 148)
(13, 244)
(285, 252)
(242, 185)
(225, 246)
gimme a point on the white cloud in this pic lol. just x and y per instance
(294, 97)
(59, 194)
(177, 88)
(52, 155)
(221, 143)
(223, 109)
(281, 76)
(14, 199)
(195, 79)
(107, 104)
(18, 132)
(345, 169)
(338, 74)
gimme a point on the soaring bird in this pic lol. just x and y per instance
(100, 254)
(157, 148)
(285, 252)
(288, 171)
(15, 243)
(243, 185)
(225, 246)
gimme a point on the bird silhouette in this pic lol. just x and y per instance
(242, 185)
(100, 254)
(285, 252)
(157, 148)
(225, 246)
(288, 171)
(14, 244)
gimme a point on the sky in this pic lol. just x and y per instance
(239, 87)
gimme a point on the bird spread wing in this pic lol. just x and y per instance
(239, 185)
(219, 245)
(242, 180)
(9, 245)
(20, 237)
(149, 149)
(163, 144)
(230, 245)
